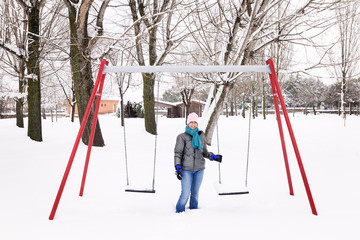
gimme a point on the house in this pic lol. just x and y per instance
(106, 106)
(177, 110)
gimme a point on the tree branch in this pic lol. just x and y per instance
(142, 13)
(83, 19)
(8, 49)
(100, 18)
(24, 5)
(99, 23)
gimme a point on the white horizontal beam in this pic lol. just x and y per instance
(188, 69)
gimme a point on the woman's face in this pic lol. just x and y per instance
(193, 125)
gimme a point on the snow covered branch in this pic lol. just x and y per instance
(12, 49)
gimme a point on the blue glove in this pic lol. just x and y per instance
(178, 172)
(217, 158)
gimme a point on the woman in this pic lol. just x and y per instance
(190, 150)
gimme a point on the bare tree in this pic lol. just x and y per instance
(123, 80)
(56, 80)
(185, 86)
(28, 39)
(157, 33)
(236, 32)
(13, 41)
(312, 93)
(33, 9)
(81, 45)
(347, 13)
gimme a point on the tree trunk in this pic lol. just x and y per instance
(44, 114)
(186, 96)
(83, 88)
(152, 22)
(256, 108)
(294, 111)
(226, 109)
(209, 131)
(33, 68)
(122, 114)
(187, 111)
(314, 110)
(149, 83)
(20, 112)
(82, 78)
(243, 108)
(1, 107)
(350, 109)
(20, 101)
(149, 102)
(231, 108)
(343, 95)
(235, 103)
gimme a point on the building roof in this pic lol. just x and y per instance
(165, 104)
(174, 104)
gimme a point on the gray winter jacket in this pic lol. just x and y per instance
(188, 157)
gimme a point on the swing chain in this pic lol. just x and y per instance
(217, 128)
(250, 116)
(156, 135)
(249, 130)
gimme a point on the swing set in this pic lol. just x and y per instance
(97, 91)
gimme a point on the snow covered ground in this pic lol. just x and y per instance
(30, 174)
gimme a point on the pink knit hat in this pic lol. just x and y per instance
(193, 117)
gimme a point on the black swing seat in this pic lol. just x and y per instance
(140, 190)
(225, 190)
(233, 193)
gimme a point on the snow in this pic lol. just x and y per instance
(30, 174)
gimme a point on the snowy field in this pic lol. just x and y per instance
(30, 174)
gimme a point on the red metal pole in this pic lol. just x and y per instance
(292, 136)
(283, 145)
(77, 141)
(92, 134)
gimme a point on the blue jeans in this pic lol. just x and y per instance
(190, 185)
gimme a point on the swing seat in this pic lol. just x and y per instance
(233, 193)
(224, 190)
(139, 190)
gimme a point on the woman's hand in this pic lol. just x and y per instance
(217, 158)
(178, 172)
